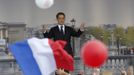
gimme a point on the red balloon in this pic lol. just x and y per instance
(94, 53)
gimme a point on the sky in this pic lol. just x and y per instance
(92, 12)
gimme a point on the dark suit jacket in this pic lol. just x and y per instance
(57, 35)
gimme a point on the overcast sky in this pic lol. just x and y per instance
(92, 12)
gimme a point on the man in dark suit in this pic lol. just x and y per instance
(63, 32)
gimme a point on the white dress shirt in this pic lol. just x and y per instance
(62, 27)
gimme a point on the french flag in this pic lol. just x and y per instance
(41, 56)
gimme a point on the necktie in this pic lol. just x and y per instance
(62, 30)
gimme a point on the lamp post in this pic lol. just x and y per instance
(112, 39)
(101, 37)
(109, 42)
(118, 44)
(73, 21)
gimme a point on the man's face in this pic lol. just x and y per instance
(61, 19)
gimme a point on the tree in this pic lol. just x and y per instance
(99, 33)
(119, 33)
(130, 36)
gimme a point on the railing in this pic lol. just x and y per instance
(113, 64)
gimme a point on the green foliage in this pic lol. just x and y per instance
(119, 33)
(99, 33)
(130, 36)
(125, 37)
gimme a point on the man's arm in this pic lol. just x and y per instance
(48, 34)
(79, 32)
(75, 33)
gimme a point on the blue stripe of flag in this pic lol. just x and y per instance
(24, 57)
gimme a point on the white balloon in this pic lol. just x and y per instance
(44, 4)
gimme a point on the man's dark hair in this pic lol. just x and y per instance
(60, 13)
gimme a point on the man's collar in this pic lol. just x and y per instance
(61, 25)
